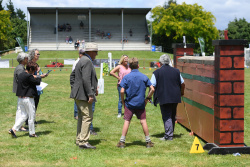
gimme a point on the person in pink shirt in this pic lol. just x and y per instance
(122, 69)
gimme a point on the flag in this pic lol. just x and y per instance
(202, 44)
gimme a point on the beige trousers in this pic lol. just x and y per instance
(85, 116)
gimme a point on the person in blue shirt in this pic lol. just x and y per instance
(134, 86)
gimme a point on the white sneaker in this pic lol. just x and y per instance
(119, 115)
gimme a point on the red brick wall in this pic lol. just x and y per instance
(229, 95)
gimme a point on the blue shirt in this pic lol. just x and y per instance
(135, 84)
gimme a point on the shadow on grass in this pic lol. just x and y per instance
(160, 135)
(45, 122)
(95, 142)
(37, 133)
(140, 143)
(43, 132)
(97, 129)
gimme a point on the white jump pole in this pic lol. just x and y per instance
(110, 60)
(101, 81)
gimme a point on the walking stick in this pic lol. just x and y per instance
(191, 133)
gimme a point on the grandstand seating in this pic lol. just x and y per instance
(42, 34)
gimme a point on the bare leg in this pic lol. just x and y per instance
(145, 127)
(125, 128)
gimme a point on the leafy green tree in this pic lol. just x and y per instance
(167, 4)
(20, 14)
(12, 25)
(1, 7)
(185, 20)
(5, 29)
(239, 29)
(11, 8)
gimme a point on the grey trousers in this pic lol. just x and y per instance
(85, 116)
(168, 112)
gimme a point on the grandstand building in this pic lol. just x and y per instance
(45, 32)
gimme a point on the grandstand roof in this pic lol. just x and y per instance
(77, 10)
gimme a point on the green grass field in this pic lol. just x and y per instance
(57, 128)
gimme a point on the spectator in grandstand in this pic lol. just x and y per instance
(77, 44)
(147, 39)
(83, 42)
(108, 35)
(22, 59)
(64, 27)
(68, 27)
(130, 32)
(125, 40)
(134, 86)
(67, 39)
(26, 91)
(168, 91)
(103, 34)
(70, 40)
(81, 25)
(98, 32)
(122, 69)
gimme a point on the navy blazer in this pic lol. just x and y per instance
(168, 85)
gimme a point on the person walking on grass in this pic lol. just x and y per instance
(134, 86)
(22, 59)
(122, 69)
(26, 91)
(169, 87)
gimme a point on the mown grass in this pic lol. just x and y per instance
(57, 129)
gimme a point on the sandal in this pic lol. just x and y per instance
(22, 129)
(34, 135)
(12, 133)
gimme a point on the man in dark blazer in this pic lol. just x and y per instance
(169, 87)
(83, 82)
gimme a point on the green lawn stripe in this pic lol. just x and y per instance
(198, 77)
(198, 105)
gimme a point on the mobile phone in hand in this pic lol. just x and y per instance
(48, 72)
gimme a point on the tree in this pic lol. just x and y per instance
(11, 8)
(239, 29)
(167, 4)
(12, 25)
(5, 29)
(20, 14)
(185, 20)
(1, 7)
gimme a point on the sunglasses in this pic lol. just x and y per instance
(38, 54)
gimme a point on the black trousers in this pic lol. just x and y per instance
(168, 112)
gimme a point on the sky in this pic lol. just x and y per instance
(223, 10)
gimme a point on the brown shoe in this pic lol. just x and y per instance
(149, 144)
(120, 144)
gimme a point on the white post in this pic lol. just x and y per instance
(101, 81)
(184, 41)
(110, 60)
(101, 70)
